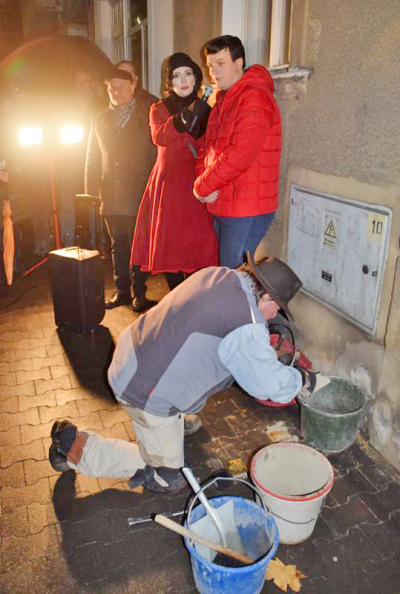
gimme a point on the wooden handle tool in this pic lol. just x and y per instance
(160, 519)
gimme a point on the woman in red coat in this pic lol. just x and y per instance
(174, 232)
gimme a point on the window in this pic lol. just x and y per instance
(280, 25)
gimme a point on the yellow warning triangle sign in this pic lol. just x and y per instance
(330, 230)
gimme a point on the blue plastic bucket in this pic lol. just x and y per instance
(259, 536)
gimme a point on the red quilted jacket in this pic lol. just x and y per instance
(240, 155)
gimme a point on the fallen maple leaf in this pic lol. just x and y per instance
(284, 575)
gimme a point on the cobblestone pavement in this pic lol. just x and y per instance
(69, 534)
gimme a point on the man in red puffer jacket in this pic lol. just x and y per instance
(238, 164)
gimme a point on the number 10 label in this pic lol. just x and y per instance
(376, 227)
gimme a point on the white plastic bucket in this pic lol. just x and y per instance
(294, 480)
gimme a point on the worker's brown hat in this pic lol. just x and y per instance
(277, 279)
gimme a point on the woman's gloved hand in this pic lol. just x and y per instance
(193, 118)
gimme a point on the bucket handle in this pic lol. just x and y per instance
(215, 480)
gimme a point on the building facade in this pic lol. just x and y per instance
(336, 72)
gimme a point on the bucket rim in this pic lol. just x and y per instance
(303, 402)
(246, 568)
(318, 494)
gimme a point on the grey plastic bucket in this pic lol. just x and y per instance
(331, 417)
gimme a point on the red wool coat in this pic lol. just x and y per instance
(241, 153)
(173, 232)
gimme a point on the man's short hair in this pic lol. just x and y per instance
(130, 63)
(230, 42)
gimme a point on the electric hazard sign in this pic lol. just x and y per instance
(331, 224)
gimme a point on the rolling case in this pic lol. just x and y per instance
(77, 285)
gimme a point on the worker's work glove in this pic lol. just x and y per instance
(312, 381)
(309, 379)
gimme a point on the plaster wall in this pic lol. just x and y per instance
(194, 24)
(341, 136)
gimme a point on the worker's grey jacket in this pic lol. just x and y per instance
(167, 360)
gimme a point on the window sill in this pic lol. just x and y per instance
(290, 82)
(290, 72)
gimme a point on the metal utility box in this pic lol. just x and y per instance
(338, 248)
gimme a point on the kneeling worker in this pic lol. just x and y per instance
(204, 335)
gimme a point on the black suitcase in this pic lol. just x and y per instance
(77, 285)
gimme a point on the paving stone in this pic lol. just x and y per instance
(22, 354)
(117, 431)
(110, 418)
(8, 420)
(383, 503)
(6, 368)
(19, 336)
(13, 345)
(13, 498)
(385, 536)
(30, 433)
(14, 453)
(54, 349)
(41, 576)
(7, 355)
(87, 406)
(110, 483)
(9, 379)
(82, 485)
(35, 343)
(45, 399)
(38, 374)
(35, 470)
(39, 363)
(15, 523)
(42, 386)
(12, 437)
(9, 406)
(13, 476)
(129, 429)
(40, 516)
(351, 484)
(15, 550)
(64, 396)
(27, 389)
(348, 515)
(50, 413)
(61, 370)
(377, 476)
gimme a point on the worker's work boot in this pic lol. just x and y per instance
(58, 460)
(63, 435)
(192, 423)
(159, 480)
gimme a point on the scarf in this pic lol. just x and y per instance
(175, 104)
(121, 115)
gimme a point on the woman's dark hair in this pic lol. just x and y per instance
(230, 42)
(258, 289)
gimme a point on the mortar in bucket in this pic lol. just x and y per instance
(331, 417)
(294, 480)
(258, 537)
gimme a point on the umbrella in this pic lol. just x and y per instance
(8, 242)
(48, 64)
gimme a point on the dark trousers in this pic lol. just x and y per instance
(120, 229)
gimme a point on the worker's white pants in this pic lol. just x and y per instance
(160, 443)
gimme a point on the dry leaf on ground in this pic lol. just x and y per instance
(284, 575)
(236, 466)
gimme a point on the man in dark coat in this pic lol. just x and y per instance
(119, 158)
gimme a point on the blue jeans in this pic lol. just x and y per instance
(237, 235)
